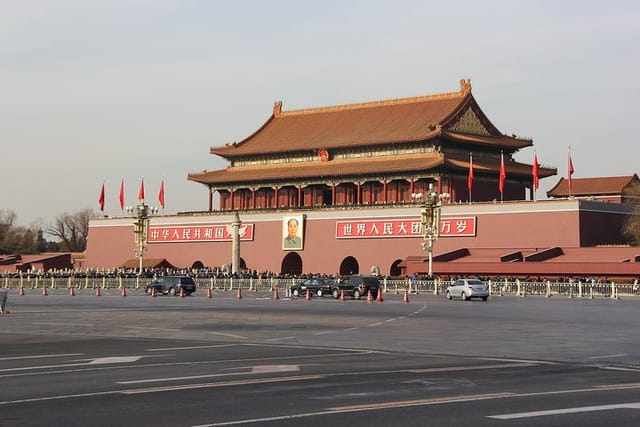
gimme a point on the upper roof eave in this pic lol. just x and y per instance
(507, 142)
(344, 126)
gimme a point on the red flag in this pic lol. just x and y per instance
(570, 172)
(161, 194)
(101, 198)
(470, 177)
(534, 172)
(121, 196)
(503, 174)
(141, 191)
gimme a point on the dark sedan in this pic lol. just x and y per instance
(318, 286)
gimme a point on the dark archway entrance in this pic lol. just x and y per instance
(291, 264)
(395, 268)
(198, 265)
(349, 265)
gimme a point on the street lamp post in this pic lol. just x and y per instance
(141, 213)
(430, 220)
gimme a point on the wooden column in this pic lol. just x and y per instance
(384, 191)
(253, 198)
(210, 199)
(333, 193)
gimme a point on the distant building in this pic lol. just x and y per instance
(613, 189)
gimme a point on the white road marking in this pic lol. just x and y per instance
(607, 356)
(41, 356)
(190, 348)
(119, 359)
(280, 339)
(228, 335)
(471, 368)
(635, 405)
(221, 384)
(252, 370)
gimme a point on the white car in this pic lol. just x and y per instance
(468, 288)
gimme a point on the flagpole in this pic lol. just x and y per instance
(569, 171)
(503, 175)
(470, 178)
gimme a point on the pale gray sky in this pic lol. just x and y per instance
(94, 91)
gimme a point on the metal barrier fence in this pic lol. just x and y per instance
(435, 287)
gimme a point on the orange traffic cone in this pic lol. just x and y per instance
(181, 292)
(21, 291)
(239, 294)
(308, 296)
(44, 291)
(153, 292)
(405, 298)
(369, 297)
(275, 294)
(72, 291)
(342, 297)
(208, 292)
(124, 292)
(98, 291)
(379, 298)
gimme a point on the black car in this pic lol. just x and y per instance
(317, 286)
(357, 286)
(171, 285)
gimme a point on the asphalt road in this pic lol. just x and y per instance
(194, 361)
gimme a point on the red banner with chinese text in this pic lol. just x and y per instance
(391, 228)
(197, 233)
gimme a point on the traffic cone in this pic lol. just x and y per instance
(153, 292)
(239, 294)
(98, 292)
(379, 298)
(21, 291)
(308, 296)
(72, 291)
(44, 291)
(208, 292)
(342, 297)
(405, 298)
(124, 291)
(275, 294)
(181, 292)
(369, 297)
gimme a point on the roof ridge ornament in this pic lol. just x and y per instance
(465, 86)
(277, 108)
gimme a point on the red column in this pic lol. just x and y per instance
(300, 195)
(358, 195)
(232, 195)
(384, 191)
(210, 200)
(253, 198)
(333, 193)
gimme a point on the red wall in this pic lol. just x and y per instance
(517, 225)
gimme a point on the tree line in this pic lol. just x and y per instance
(68, 232)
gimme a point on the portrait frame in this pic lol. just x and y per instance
(295, 242)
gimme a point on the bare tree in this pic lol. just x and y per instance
(72, 230)
(631, 228)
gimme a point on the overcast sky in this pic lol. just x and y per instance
(95, 91)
